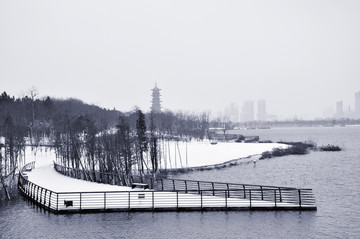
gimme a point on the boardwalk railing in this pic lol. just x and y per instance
(102, 177)
(230, 197)
(303, 197)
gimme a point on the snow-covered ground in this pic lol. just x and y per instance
(181, 154)
(202, 153)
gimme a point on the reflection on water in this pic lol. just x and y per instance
(334, 177)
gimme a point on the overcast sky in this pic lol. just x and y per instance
(301, 56)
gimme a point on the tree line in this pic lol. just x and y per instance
(133, 144)
(89, 137)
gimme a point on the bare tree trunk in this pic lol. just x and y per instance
(169, 154)
(177, 143)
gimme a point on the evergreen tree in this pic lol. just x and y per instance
(142, 142)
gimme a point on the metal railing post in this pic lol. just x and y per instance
(45, 197)
(50, 199)
(153, 201)
(225, 199)
(173, 184)
(198, 186)
(244, 191)
(213, 188)
(30, 190)
(228, 189)
(280, 194)
(299, 197)
(129, 201)
(186, 187)
(41, 195)
(34, 192)
(37, 193)
(162, 184)
(262, 194)
(177, 200)
(250, 198)
(201, 197)
(275, 197)
(104, 200)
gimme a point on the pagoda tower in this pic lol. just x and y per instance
(156, 103)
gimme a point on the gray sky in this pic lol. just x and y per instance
(301, 56)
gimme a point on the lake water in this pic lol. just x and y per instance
(333, 176)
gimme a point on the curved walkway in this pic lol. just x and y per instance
(63, 194)
(46, 177)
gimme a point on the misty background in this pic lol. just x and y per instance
(300, 56)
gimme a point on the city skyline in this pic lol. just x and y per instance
(249, 112)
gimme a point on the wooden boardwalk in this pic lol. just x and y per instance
(170, 195)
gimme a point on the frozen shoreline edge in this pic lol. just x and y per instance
(229, 163)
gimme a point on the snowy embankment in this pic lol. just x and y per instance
(202, 153)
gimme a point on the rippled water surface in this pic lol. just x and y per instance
(333, 176)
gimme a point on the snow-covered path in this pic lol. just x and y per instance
(46, 177)
(85, 195)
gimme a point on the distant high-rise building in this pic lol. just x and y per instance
(247, 113)
(339, 110)
(357, 105)
(261, 110)
(232, 113)
(156, 103)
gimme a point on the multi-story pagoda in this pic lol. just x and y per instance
(156, 103)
